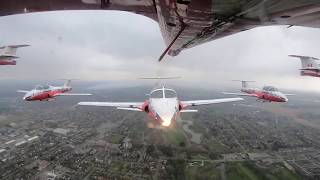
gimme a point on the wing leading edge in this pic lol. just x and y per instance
(209, 101)
(240, 94)
(131, 106)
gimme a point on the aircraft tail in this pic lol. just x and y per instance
(67, 82)
(10, 51)
(244, 83)
(307, 62)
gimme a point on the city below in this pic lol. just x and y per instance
(236, 141)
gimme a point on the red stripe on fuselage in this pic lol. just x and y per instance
(264, 95)
(8, 62)
(48, 94)
(310, 73)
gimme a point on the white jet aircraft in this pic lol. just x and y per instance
(163, 106)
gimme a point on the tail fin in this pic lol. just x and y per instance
(244, 83)
(10, 51)
(307, 62)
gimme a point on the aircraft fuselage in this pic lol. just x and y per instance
(46, 94)
(271, 96)
(7, 62)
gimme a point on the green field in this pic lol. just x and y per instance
(208, 171)
(249, 171)
(175, 136)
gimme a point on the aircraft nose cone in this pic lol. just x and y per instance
(285, 99)
(166, 119)
(27, 97)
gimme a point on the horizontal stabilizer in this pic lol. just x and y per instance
(22, 91)
(243, 80)
(289, 94)
(189, 110)
(304, 57)
(173, 77)
(15, 46)
(10, 51)
(307, 62)
(129, 109)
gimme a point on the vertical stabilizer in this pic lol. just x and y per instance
(244, 83)
(67, 83)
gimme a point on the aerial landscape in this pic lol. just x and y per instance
(242, 140)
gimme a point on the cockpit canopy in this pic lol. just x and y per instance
(42, 87)
(163, 93)
(269, 88)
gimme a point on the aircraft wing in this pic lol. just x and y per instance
(72, 94)
(22, 91)
(240, 94)
(133, 106)
(209, 101)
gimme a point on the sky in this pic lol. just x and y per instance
(121, 46)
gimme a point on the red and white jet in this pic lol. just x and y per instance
(48, 92)
(310, 66)
(8, 54)
(163, 106)
(266, 94)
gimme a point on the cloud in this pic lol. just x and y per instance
(110, 45)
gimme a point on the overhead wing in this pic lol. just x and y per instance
(209, 101)
(133, 106)
(72, 94)
(240, 94)
(22, 91)
(188, 23)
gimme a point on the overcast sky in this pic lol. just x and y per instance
(110, 45)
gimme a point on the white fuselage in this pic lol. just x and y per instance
(164, 110)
